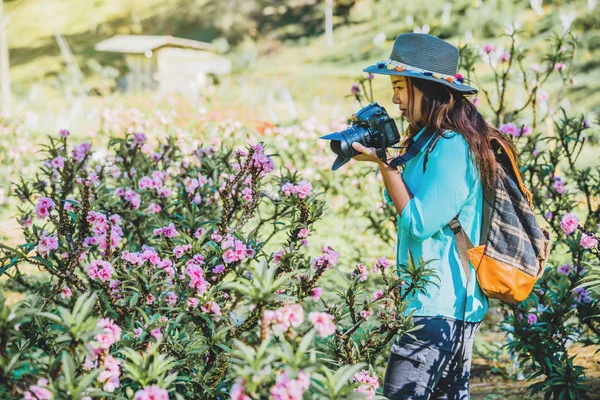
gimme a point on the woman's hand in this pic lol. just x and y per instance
(367, 153)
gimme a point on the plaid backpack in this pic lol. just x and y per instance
(513, 248)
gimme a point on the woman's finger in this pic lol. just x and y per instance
(358, 147)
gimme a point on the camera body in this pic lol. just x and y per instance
(371, 127)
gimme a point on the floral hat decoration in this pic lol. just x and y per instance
(422, 56)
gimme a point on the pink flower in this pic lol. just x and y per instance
(558, 185)
(543, 96)
(218, 269)
(316, 293)
(510, 129)
(153, 392)
(548, 215)
(154, 208)
(532, 319)
(156, 332)
(111, 334)
(168, 231)
(327, 260)
(369, 383)
(363, 271)
(212, 307)
(46, 244)
(290, 389)
(560, 67)
(110, 376)
(366, 314)
(488, 48)
(138, 332)
(238, 390)
(303, 233)
(382, 263)
(569, 223)
(58, 162)
(323, 323)
(504, 57)
(139, 138)
(65, 292)
(44, 206)
(199, 232)
(192, 302)
(149, 299)
(171, 298)
(100, 269)
(63, 133)
(355, 88)
(377, 295)
(476, 101)
(588, 241)
(80, 151)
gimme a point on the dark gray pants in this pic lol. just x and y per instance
(431, 367)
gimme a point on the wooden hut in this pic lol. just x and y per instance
(166, 63)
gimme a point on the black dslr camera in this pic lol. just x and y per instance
(371, 127)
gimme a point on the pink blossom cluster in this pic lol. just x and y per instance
(303, 234)
(167, 231)
(56, 163)
(302, 189)
(581, 295)
(63, 133)
(316, 293)
(361, 271)
(278, 255)
(260, 161)
(65, 292)
(44, 207)
(80, 151)
(558, 185)
(180, 250)
(39, 391)
(110, 375)
(100, 225)
(382, 263)
(323, 323)
(532, 319)
(192, 303)
(235, 250)
(238, 390)
(131, 196)
(327, 260)
(512, 129)
(100, 269)
(290, 389)
(196, 274)
(46, 244)
(155, 182)
(153, 392)
(588, 241)
(369, 383)
(488, 48)
(569, 223)
(170, 298)
(212, 307)
(284, 318)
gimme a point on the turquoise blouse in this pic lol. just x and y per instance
(450, 184)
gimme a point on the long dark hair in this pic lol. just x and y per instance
(444, 108)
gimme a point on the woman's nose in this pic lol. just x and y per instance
(395, 99)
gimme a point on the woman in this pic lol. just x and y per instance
(430, 94)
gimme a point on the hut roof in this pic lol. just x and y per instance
(139, 44)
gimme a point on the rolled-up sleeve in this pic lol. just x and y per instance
(442, 191)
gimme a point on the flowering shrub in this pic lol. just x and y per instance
(157, 282)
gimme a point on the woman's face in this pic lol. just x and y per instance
(410, 108)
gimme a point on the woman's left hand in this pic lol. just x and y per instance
(367, 153)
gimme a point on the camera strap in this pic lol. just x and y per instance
(413, 148)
